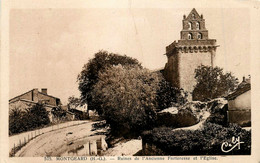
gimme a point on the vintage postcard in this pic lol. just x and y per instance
(140, 81)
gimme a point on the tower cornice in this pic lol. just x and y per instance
(191, 46)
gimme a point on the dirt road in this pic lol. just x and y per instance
(56, 143)
(15, 140)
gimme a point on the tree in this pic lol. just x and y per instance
(74, 102)
(128, 98)
(168, 96)
(212, 83)
(88, 77)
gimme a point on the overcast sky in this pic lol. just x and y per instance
(48, 47)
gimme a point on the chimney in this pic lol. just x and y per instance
(44, 91)
(35, 95)
(244, 78)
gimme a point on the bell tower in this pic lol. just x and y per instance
(192, 50)
(193, 27)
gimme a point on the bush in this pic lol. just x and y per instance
(168, 96)
(34, 117)
(206, 141)
(218, 115)
(38, 116)
(17, 121)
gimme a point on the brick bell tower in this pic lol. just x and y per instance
(193, 49)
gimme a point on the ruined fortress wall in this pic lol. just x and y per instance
(187, 64)
(171, 72)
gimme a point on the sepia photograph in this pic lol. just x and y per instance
(130, 83)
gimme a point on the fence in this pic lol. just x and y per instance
(16, 142)
(93, 147)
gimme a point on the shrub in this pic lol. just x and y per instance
(38, 116)
(25, 120)
(218, 115)
(17, 121)
(168, 96)
(206, 141)
(59, 114)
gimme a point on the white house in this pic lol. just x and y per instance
(239, 104)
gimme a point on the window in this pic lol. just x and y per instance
(193, 16)
(189, 25)
(199, 36)
(197, 25)
(189, 36)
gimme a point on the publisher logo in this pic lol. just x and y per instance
(227, 147)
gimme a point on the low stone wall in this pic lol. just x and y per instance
(184, 118)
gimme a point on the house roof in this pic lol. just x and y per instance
(20, 95)
(239, 91)
(31, 91)
(10, 102)
(29, 101)
(48, 95)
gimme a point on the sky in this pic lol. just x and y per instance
(48, 47)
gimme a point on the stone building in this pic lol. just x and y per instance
(33, 97)
(192, 50)
(239, 104)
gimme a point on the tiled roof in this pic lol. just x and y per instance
(239, 91)
(31, 91)
(20, 95)
(48, 95)
(29, 101)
